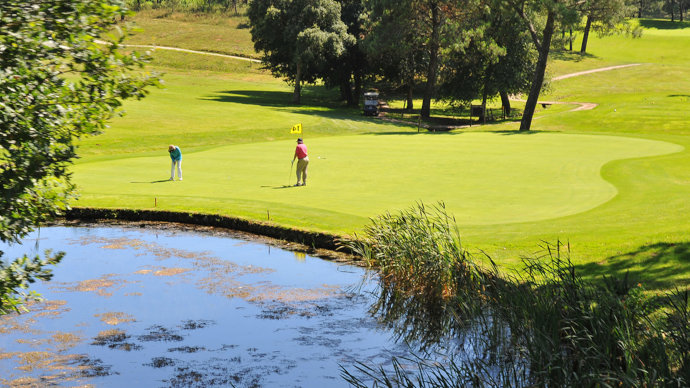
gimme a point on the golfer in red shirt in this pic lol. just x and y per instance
(302, 162)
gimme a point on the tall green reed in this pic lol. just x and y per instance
(542, 325)
(423, 269)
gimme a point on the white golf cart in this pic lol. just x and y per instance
(371, 103)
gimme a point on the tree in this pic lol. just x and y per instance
(394, 46)
(298, 38)
(347, 71)
(57, 83)
(602, 16)
(423, 25)
(498, 60)
(540, 18)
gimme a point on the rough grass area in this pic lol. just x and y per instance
(218, 33)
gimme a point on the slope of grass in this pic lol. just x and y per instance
(218, 33)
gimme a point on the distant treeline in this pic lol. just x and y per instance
(188, 5)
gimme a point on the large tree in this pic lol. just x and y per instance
(498, 59)
(429, 26)
(348, 70)
(298, 38)
(602, 16)
(541, 18)
(394, 46)
(58, 82)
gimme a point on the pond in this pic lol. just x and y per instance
(160, 305)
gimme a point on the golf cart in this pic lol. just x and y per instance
(371, 103)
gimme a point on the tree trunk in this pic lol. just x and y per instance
(505, 102)
(571, 39)
(410, 100)
(585, 34)
(297, 94)
(484, 104)
(433, 61)
(673, 8)
(346, 92)
(680, 11)
(539, 72)
(358, 86)
(639, 10)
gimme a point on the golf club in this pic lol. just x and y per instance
(291, 163)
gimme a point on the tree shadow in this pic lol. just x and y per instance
(158, 181)
(664, 24)
(679, 95)
(311, 96)
(518, 132)
(571, 56)
(657, 266)
(281, 101)
(253, 97)
(413, 131)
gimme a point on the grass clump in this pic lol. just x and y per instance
(543, 325)
(422, 267)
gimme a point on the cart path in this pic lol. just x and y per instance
(580, 105)
(560, 77)
(185, 51)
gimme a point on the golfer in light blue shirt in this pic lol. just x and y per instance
(176, 156)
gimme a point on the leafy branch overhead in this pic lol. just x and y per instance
(59, 81)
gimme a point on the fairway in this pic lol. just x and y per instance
(484, 178)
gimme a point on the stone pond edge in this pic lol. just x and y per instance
(310, 240)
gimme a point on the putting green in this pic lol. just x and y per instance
(484, 178)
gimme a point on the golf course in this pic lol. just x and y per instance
(612, 180)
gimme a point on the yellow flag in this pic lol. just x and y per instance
(297, 128)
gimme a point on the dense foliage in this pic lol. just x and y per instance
(298, 38)
(58, 82)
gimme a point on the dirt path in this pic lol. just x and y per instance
(560, 77)
(581, 105)
(186, 51)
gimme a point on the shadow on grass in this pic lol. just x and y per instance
(282, 100)
(660, 266)
(459, 131)
(311, 97)
(518, 132)
(159, 181)
(253, 97)
(571, 56)
(664, 24)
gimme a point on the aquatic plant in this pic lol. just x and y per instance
(425, 273)
(542, 325)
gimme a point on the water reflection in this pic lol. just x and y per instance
(164, 307)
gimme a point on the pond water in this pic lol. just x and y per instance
(160, 306)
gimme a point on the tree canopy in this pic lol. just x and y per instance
(62, 76)
(298, 38)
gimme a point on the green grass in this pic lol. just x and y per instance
(225, 34)
(614, 180)
(486, 179)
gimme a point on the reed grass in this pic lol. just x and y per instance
(542, 325)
